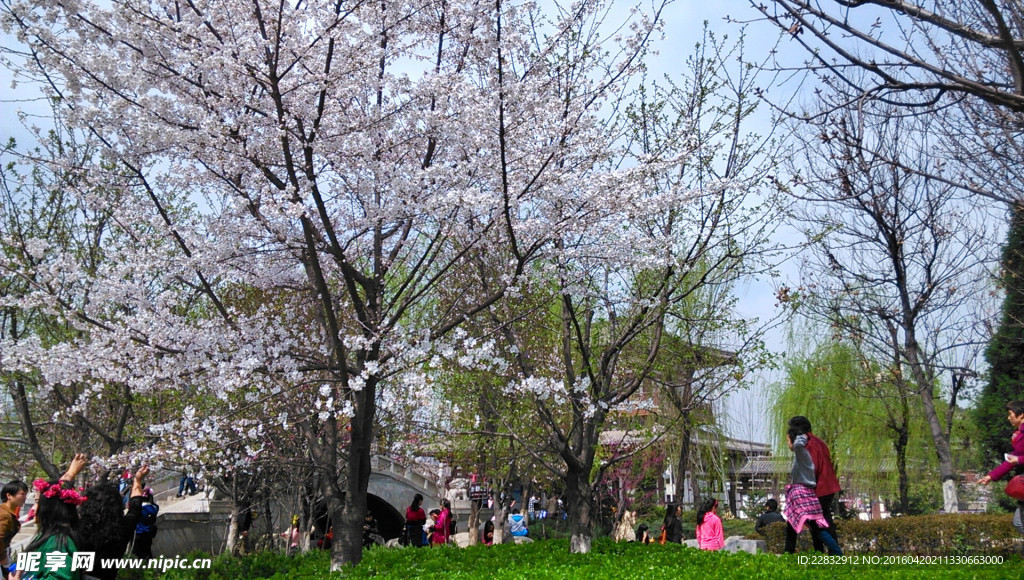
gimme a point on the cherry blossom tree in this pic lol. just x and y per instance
(43, 225)
(346, 159)
(615, 285)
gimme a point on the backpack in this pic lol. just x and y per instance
(148, 519)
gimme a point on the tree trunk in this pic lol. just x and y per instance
(942, 449)
(473, 527)
(621, 503)
(524, 508)
(732, 492)
(306, 515)
(348, 520)
(267, 520)
(484, 468)
(579, 500)
(500, 522)
(695, 489)
(20, 399)
(347, 548)
(232, 540)
(233, 531)
(683, 463)
(901, 468)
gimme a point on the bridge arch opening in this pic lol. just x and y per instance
(390, 522)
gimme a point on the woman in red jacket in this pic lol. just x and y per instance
(1015, 415)
(415, 518)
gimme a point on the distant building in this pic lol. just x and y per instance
(719, 479)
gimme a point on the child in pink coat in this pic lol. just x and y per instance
(709, 527)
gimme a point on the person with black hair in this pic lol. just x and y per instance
(770, 516)
(442, 525)
(487, 537)
(415, 518)
(802, 505)
(56, 541)
(371, 534)
(671, 525)
(13, 496)
(710, 535)
(643, 534)
(146, 528)
(826, 487)
(1015, 415)
(56, 524)
(428, 528)
(517, 523)
(103, 526)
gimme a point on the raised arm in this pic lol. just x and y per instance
(139, 481)
(78, 463)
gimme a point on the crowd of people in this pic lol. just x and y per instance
(438, 527)
(811, 494)
(68, 521)
(110, 521)
(809, 499)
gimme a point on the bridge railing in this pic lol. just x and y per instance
(381, 463)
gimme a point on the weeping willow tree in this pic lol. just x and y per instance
(862, 409)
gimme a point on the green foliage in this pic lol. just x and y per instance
(853, 404)
(551, 559)
(259, 565)
(1005, 352)
(929, 535)
(925, 495)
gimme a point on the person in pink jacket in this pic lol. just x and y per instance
(442, 525)
(709, 527)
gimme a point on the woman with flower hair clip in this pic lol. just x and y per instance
(56, 524)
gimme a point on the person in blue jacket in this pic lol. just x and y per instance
(145, 530)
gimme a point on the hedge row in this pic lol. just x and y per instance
(930, 535)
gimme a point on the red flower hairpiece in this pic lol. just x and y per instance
(57, 490)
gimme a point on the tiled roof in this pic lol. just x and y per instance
(783, 465)
(635, 438)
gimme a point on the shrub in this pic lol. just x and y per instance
(269, 564)
(932, 535)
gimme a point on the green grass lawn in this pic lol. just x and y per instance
(551, 559)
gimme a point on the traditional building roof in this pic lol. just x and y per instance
(636, 438)
(782, 465)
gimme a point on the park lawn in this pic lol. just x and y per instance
(550, 559)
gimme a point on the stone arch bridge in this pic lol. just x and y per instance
(200, 522)
(391, 489)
